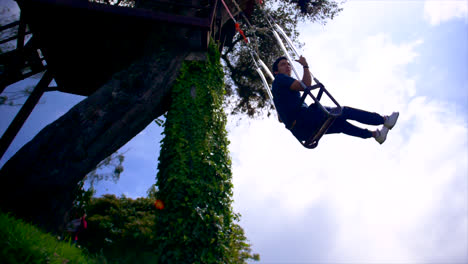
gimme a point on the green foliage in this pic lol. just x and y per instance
(239, 248)
(108, 169)
(120, 228)
(315, 11)
(81, 202)
(24, 243)
(126, 3)
(194, 178)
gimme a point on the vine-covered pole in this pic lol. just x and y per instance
(194, 178)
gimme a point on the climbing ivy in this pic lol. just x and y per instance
(194, 178)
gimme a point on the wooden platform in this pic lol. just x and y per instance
(81, 44)
(84, 43)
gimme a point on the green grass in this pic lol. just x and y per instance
(24, 243)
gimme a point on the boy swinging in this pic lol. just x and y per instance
(303, 120)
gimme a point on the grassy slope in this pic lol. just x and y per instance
(24, 243)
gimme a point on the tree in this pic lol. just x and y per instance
(244, 88)
(11, 98)
(108, 169)
(39, 181)
(122, 228)
(245, 91)
(239, 248)
(83, 195)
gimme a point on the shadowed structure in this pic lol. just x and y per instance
(123, 59)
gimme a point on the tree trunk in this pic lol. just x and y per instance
(39, 181)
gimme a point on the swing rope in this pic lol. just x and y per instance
(238, 29)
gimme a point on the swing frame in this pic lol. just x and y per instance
(331, 114)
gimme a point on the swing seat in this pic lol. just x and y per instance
(331, 114)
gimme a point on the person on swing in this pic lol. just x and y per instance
(304, 120)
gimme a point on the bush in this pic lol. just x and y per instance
(120, 228)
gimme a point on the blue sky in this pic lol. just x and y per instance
(350, 200)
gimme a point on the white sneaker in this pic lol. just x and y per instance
(381, 134)
(391, 120)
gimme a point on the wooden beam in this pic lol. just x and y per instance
(21, 32)
(124, 12)
(9, 25)
(24, 113)
(14, 37)
(16, 61)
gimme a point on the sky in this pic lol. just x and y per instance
(349, 200)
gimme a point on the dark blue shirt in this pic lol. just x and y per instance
(286, 100)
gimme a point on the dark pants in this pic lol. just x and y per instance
(340, 125)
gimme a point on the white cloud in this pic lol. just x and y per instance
(399, 202)
(397, 210)
(402, 202)
(436, 12)
(363, 71)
